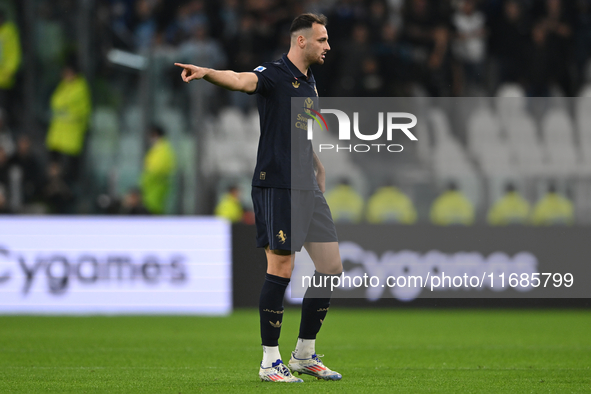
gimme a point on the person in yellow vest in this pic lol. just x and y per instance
(10, 52)
(452, 208)
(70, 114)
(346, 205)
(553, 209)
(389, 205)
(512, 208)
(230, 206)
(159, 166)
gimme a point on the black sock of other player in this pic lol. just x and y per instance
(271, 308)
(315, 306)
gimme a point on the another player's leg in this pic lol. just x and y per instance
(279, 268)
(327, 260)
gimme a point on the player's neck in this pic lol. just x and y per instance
(299, 62)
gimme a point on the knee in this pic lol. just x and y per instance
(334, 269)
(283, 271)
(279, 264)
(337, 271)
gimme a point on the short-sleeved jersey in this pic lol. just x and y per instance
(278, 82)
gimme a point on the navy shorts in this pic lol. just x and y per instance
(285, 218)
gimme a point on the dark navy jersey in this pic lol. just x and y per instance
(278, 82)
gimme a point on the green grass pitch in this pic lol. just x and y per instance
(377, 351)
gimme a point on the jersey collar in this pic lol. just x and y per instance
(297, 74)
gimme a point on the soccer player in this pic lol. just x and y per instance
(274, 193)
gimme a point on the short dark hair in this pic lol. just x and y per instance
(158, 130)
(72, 63)
(305, 21)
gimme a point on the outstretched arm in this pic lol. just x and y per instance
(243, 82)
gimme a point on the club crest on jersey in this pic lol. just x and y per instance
(260, 69)
(296, 84)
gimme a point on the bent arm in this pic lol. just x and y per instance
(244, 82)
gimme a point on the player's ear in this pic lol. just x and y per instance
(302, 41)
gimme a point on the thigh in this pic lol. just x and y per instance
(326, 257)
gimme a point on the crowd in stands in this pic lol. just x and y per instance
(380, 47)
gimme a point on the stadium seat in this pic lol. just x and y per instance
(557, 128)
(521, 130)
(483, 129)
(187, 166)
(510, 101)
(172, 120)
(133, 120)
(102, 144)
(563, 160)
(583, 125)
(440, 127)
(529, 160)
(129, 162)
(559, 144)
(496, 160)
(232, 123)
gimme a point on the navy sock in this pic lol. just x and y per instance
(271, 308)
(315, 306)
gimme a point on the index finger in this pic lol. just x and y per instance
(182, 65)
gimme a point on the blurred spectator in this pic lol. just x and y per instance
(394, 57)
(190, 16)
(202, 49)
(452, 208)
(346, 205)
(538, 70)
(159, 166)
(510, 38)
(6, 140)
(582, 37)
(4, 209)
(371, 80)
(378, 17)
(57, 194)
(244, 47)
(10, 56)
(557, 26)
(389, 205)
(207, 52)
(230, 206)
(145, 28)
(132, 203)
(31, 170)
(428, 32)
(512, 208)
(230, 16)
(469, 43)
(70, 108)
(352, 61)
(553, 209)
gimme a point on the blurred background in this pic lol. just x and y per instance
(94, 118)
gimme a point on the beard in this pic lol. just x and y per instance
(316, 59)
